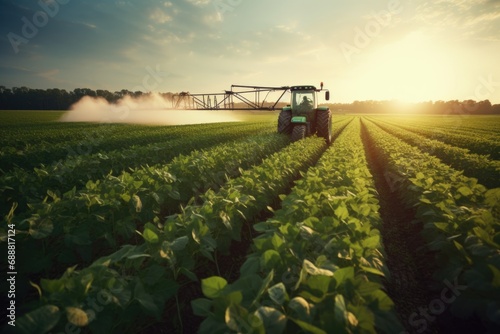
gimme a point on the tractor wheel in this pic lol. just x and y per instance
(285, 122)
(298, 132)
(324, 125)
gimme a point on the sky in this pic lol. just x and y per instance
(408, 50)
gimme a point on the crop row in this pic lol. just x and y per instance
(24, 186)
(137, 280)
(460, 220)
(463, 125)
(97, 139)
(463, 130)
(316, 266)
(479, 166)
(471, 141)
(35, 136)
(80, 225)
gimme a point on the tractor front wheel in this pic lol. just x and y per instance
(299, 132)
(285, 122)
(324, 125)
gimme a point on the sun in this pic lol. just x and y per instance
(412, 69)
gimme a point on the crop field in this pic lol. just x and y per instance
(231, 228)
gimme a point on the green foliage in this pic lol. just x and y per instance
(460, 222)
(144, 146)
(320, 252)
(482, 167)
(82, 223)
(178, 244)
(134, 223)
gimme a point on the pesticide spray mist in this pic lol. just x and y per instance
(150, 109)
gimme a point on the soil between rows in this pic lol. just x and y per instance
(409, 264)
(181, 317)
(418, 300)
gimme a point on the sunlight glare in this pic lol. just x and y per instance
(411, 70)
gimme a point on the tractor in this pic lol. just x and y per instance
(303, 117)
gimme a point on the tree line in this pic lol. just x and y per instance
(453, 107)
(24, 98)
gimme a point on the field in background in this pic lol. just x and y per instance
(229, 227)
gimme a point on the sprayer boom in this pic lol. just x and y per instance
(240, 97)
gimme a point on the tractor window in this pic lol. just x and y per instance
(303, 101)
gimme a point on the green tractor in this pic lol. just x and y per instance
(303, 117)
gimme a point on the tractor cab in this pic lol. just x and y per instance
(303, 100)
(303, 117)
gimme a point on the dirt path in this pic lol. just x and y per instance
(406, 260)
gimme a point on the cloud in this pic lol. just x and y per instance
(476, 19)
(199, 3)
(159, 16)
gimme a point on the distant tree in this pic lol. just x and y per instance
(18, 98)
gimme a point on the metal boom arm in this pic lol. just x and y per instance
(225, 101)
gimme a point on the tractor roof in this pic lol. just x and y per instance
(305, 87)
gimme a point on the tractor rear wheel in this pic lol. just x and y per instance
(324, 125)
(299, 132)
(285, 122)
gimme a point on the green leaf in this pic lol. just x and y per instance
(311, 269)
(301, 308)
(270, 259)
(42, 229)
(145, 299)
(340, 310)
(189, 274)
(41, 320)
(77, 316)
(308, 327)
(274, 321)
(261, 227)
(343, 275)
(137, 203)
(385, 303)
(250, 266)
(342, 315)
(226, 220)
(372, 242)
(179, 243)
(465, 191)
(278, 293)
(126, 197)
(52, 285)
(238, 320)
(118, 255)
(138, 256)
(319, 283)
(263, 287)
(212, 286)
(153, 274)
(150, 236)
(495, 282)
(341, 211)
(373, 271)
(202, 307)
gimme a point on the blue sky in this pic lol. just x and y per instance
(412, 50)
